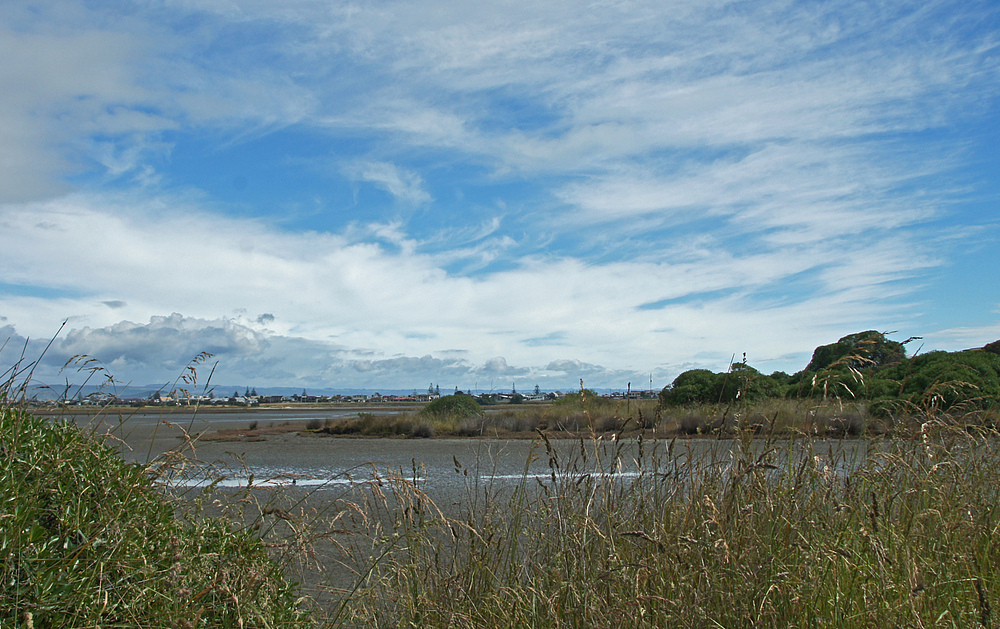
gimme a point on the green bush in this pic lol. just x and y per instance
(859, 350)
(579, 398)
(943, 380)
(457, 406)
(745, 383)
(695, 386)
(86, 540)
(742, 382)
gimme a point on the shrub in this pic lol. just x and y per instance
(695, 386)
(422, 429)
(578, 398)
(458, 406)
(943, 380)
(859, 350)
(742, 382)
(86, 540)
(523, 422)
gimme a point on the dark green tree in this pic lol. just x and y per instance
(578, 397)
(743, 382)
(862, 350)
(690, 387)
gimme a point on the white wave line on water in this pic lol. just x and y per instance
(320, 480)
(575, 477)
(278, 480)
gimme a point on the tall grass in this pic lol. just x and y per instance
(746, 532)
(88, 540)
(598, 415)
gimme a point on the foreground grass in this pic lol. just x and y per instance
(86, 540)
(888, 533)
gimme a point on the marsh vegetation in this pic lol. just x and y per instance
(770, 534)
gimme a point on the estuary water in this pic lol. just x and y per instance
(320, 463)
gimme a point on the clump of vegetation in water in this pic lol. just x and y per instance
(457, 406)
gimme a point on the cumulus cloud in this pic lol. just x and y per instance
(498, 367)
(161, 350)
(572, 367)
(10, 342)
(165, 342)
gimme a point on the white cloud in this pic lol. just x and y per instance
(497, 367)
(967, 337)
(374, 303)
(402, 184)
(74, 74)
(167, 342)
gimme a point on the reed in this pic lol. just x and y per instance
(748, 532)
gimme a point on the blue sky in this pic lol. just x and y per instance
(386, 194)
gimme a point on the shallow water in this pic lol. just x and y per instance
(443, 466)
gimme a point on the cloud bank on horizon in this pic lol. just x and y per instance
(378, 195)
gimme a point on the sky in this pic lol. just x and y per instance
(483, 195)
